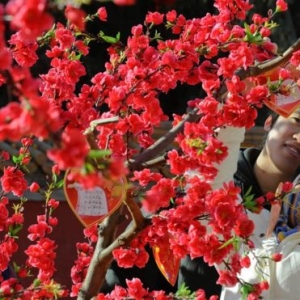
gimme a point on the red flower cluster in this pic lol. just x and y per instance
(42, 256)
(73, 151)
(118, 112)
(128, 257)
(24, 14)
(13, 180)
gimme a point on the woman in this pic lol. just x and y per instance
(263, 171)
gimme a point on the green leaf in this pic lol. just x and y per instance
(54, 177)
(99, 153)
(15, 266)
(24, 168)
(73, 56)
(246, 289)
(157, 35)
(36, 282)
(88, 168)
(254, 38)
(13, 230)
(248, 198)
(60, 184)
(184, 291)
(109, 39)
(16, 159)
(235, 241)
(248, 192)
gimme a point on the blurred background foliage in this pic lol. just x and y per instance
(122, 18)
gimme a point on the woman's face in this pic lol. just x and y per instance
(283, 143)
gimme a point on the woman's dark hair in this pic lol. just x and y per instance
(274, 117)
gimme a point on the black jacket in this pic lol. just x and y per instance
(196, 274)
(244, 176)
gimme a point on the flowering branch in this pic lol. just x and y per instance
(193, 116)
(271, 64)
(103, 251)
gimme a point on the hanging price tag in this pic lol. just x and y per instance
(288, 100)
(91, 206)
(167, 263)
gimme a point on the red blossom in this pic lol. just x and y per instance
(55, 169)
(5, 155)
(15, 219)
(42, 256)
(24, 54)
(3, 214)
(27, 142)
(124, 2)
(32, 120)
(82, 47)
(34, 187)
(227, 278)
(53, 203)
(128, 257)
(287, 187)
(213, 252)
(117, 168)
(102, 14)
(76, 17)
(244, 227)
(171, 16)
(159, 195)
(156, 18)
(64, 37)
(22, 273)
(179, 164)
(295, 59)
(73, 151)
(7, 248)
(135, 289)
(7, 287)
(53, 221)
(276, 257)
(13, 180)
(281, 5)
(24, 14)
(38, 230)
(5, 59)
(118, 293)
(245, 262)
(225, 215)
(145, 176)
(91, 233)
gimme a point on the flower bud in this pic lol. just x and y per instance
(34, 187)
(276, 257)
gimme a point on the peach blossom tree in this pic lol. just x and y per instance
(104, 132)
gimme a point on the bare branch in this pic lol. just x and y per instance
(102, 258)
(270, 64)
(98, 122)
(162, 143)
